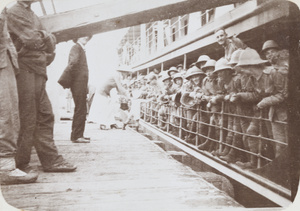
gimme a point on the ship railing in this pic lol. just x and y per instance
(197, 125)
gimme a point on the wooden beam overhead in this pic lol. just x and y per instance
(118, 14)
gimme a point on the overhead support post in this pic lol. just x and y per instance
(162, 66)
(184, 61)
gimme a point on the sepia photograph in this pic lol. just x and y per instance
(149, 105)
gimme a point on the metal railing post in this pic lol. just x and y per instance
(168, 119)
(180, 121)
(221, 128)
(260, 139)
(199, 114)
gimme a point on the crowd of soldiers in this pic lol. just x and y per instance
(238, 101)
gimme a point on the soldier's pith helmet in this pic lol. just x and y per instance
(235, 57)
(165, 77)
(194, 71)
(177, 75)
(202, 58)
(172, 69)
(209, 63)
(186, 100)
(268, 45)
(250, 57)
(222, 64)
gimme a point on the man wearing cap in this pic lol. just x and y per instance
(195, 76)
(259, 86)
(242, 109)
(229, 44)
(228, 87)
(168, 91)
(32, 43)
(211, 88)
(270, 50)
(277, 101)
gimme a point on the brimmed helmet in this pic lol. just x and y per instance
(250, 57)
(186, 100)
(222, 64)
(203, 58)
(209, 63)
(177, 75)
(172, 69)
(194, 71)
(165, 76)
(235, 57)
(269, 44)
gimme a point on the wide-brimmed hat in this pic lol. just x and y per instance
(250, 57)
(165, 76)
(177, 75)
(209, 63)
(194, 71)
(222, 64)
(172, 69)
(186, 100)
(180, 65)
(202, 58)
(235, 57)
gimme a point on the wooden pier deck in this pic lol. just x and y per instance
(118, 170)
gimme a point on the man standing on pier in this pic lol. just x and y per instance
(33, 43)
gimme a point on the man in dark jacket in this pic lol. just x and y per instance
(79, 87)
(9, 111)
(32, 43)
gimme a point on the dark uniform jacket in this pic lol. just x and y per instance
(277, 100)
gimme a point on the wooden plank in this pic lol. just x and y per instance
(118, 170)
(112, 15)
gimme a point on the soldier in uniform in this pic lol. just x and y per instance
(165, 98)
(259, 86)
(210, 89)
(195, 76)
(277, 100)
(270, 50)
